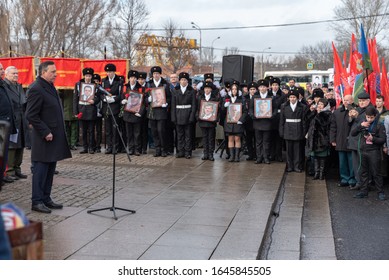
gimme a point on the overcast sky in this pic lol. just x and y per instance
(229, 13)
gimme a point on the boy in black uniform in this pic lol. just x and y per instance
(371, 136)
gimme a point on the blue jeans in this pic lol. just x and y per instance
(346, 167)
(42, 181)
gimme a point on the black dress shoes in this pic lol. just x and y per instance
(40, 207)
(8, 179)
(20, 175)
(108, 151)
(289, 170)
(84, 152)
(266, 160)
(298, 170)
(51, 204)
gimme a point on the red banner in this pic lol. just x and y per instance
(25, 66)
(98, 66)
(68, 71)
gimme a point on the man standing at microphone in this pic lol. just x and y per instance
(114, 85)
(49, 143)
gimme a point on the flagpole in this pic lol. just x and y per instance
(367, 77)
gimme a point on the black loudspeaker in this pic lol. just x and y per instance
(238, 67)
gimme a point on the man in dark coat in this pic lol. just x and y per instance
(183, 114)
(339, 131)
(114, 85)
(86, 110)
(248, 125)
(278, 99)
(6, 114)
(292, 129)
(18, 100)
(99, 119)
(145, 121)
(262, 126)
(49, 143)
(158, 116)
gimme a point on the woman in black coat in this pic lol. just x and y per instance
(208, 121)
(319, 137)
(234, 119)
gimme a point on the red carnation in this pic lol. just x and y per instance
(79, 116)
(108, 89)
(148, 89)
(127, 95)
(227, 100)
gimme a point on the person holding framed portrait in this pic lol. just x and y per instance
(207, 116)
(183, 115)
(158, 116)
(262, 123)
(235, 112)
(84, 99)
(133, 102)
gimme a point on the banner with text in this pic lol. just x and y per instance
(68, 71)
(98, 66)
(25, 66)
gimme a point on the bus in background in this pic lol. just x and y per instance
(315, 77)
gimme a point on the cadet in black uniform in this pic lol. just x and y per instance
(99, 119)
(145, 121)
(86, 110)
(183, 114)
(248, 125)
(158, 115)
(114, 85)
(276, 140)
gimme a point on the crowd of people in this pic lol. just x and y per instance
(260, 119)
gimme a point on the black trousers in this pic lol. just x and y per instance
(262, 145)
(144, 133)
(133, 136)
(99, 131)
(184, 139)
(169, 137)
(158, 131)
(112, 137)
(371, 162)
(88, 134)
(42, 181)
(209, 134)
(250, 143)
(276, 147)
(293, 155)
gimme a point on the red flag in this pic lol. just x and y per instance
(98, 66)
(25, 66)
(68, 71)
(374, 55)
(355, 61)
(341, 83)
(385, 84)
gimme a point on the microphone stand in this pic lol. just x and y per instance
(113, 208)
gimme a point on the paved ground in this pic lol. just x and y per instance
(185, 209)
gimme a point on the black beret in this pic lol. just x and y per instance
(325, 85)
(275, 80)
(253, 85)
(300, 90)
(208, 84)
(285, 87)
(227, 83)
(183, 75)
(110, 67)
(243, 85)
(208, 76)
(142, 75)
(87, 71)
(156, 69)
(363, 95)
(263, 82)
(96, 77)
(133, 73)
(317, 92)
(268, 78)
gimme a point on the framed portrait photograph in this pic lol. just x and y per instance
(263, 108)
(208, 110)
(159, 97)
(234, 112)
(134, 102)
(87, 92)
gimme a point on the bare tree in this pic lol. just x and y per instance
(372, 23)
(4, 26)
(124, 34)
(231, 51)
(320, 54)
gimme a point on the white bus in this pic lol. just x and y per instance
(315, 77)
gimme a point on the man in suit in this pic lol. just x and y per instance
(49, 143)
(18, 99)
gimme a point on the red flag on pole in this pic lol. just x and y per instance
(385, 84)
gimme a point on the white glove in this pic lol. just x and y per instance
(99, 115)
(150, 99)
(110, 99)
(239, 122)
(138, 115)
(164, 105)
(226, 104)
(124, 101)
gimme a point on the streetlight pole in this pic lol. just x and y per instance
(212, 51)
(268, 48)
(195, 26)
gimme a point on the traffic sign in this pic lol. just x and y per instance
(309, 66)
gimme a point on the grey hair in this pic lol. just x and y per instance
(9, 68)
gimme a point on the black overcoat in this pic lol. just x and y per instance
(183, 116)
(292, 130)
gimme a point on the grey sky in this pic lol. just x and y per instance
(228, 13)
